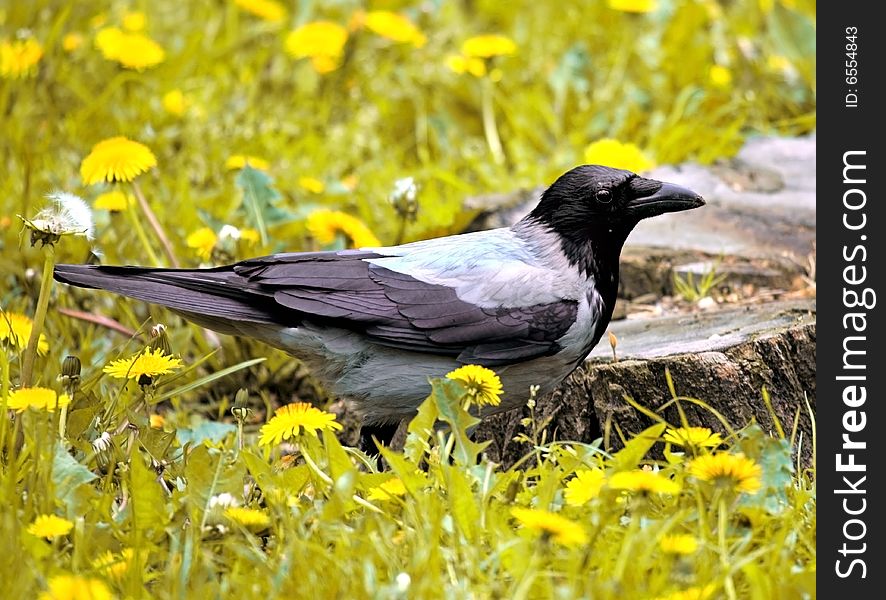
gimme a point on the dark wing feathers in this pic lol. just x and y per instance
(342, 289)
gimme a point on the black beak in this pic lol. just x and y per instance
(667, 198)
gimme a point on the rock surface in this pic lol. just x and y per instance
(724, 359)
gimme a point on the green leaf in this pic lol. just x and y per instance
(258, 197)
(630, 456)
(207, 431)
(448, 395)
(420, 430)
(68, 477)
(338, 460)
(462, 502)
(208, 474)
(148, 498)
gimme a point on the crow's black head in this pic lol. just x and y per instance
(593, 209)
(593, 196)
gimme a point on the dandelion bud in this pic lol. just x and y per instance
(70, 375)
(241, 409)
(160, 339)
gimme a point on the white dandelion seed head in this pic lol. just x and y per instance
(69, 215)
(404, 189)
(102, 443)
(229, 231)
(223, 500)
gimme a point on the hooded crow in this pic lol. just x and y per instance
(529, 301)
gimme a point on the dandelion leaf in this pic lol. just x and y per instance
(69, 478)
(259, 196)
(207, 431)
(420, 432)
(208, 474)
(448, 395)
(636, 448)
(148, 502)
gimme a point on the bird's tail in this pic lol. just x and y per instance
(212, 295)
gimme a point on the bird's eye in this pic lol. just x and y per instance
(603, 196)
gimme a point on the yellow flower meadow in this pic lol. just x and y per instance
(289, 420)
(72, 42)
(483, 385)
(203, 241)
(487, 46)
(149, 363)
(693, 593)
(678, 543)
(326, 225)
(132, 50)
(174, 102)
(394, 27)
(551, 525)
(466, 64)
(114, 565)
(18, 59)
(113, 201)
(134, 21)
(269, 10)
(238, 161)
(321, 41)
(728, 471)
(249, 518)
(585, 486)
(720, 76)
(116, 159)
(75, 587)
(311, 184)
(15, 331)
(698, 437)
(387, 490)
(634, 6)
(645, 482)
(50, 526)
(612, 153)
(38, 398)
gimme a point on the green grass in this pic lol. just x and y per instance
(582, 72)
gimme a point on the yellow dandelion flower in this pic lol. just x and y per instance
(387, 490)
(156, 421)
(72, 42)
(75, 587)
(728, 471)
(311, 184)
(132, 50)
(203, 241)
(289, 420)
(634, 6)
(249, 518)
(19, 59)
(116, 159)
(617, 155)
(487, 46)
(250, 235)
(551, 525)
(483, 385)
(113, 201)
(321, 41)
(15, 331)
(114, 565)
(646, 482)
(394, 27)
(678, 543)
(238, 161)
(134, 21)
(38, 398)
(50, 526)
(149, 363)
(585, 486)
(326, 225)
(174, 102)
(269, 10)
(466, 64)
(698, 437)
(693, 593)
(720, 76)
